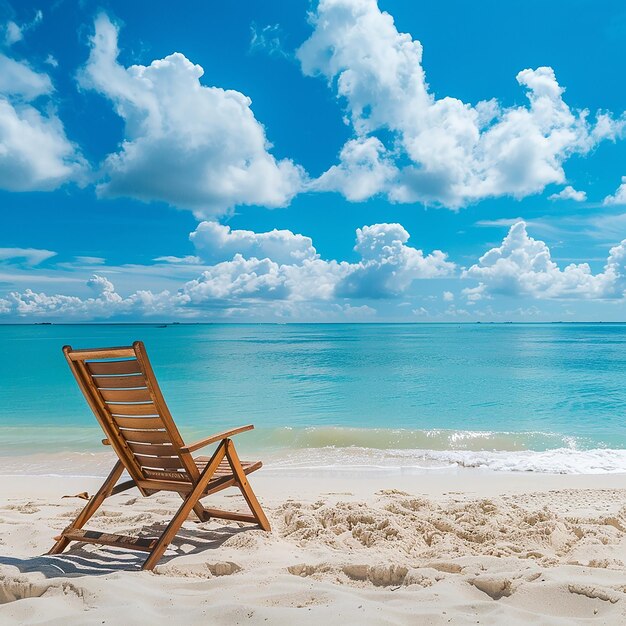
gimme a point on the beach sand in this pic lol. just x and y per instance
(455, 547)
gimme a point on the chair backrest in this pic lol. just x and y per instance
(122, 391)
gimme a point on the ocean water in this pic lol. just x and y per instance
(530, 397)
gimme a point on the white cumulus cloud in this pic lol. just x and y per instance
(443, 151)
(35, 153)
(191, 146)
(388, 265)
(18, 80)
(215, 242)
(283, 265)
(569, 193)
(14, 32)
(523, 266)
(364, 169)
(104, 304)
(237, 279)
(619, 197)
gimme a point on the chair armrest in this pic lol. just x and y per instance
(213, 438)
(106, 442)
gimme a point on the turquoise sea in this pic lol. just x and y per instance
(543, 397)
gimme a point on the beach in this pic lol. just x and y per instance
(412, 474)
(462, 546)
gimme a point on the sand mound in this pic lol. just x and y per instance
(14, 588)
(416, 531)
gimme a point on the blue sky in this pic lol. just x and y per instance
(301, 161)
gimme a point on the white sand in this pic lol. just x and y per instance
(458, 547)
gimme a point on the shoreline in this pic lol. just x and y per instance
(352, 460)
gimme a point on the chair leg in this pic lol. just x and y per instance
(201, 513)
(244, 486)
(91, 507)
(185, 508)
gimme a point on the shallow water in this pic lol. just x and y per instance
(388, 391)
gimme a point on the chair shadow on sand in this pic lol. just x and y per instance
(80, 561)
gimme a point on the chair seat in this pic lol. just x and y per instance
(224, 472)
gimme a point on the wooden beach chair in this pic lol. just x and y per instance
(122, 391)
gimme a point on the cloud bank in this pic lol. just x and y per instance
(281, 274)
(281, 267)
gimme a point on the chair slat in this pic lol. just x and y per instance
(113, 368)
(223, 469)
(144, 544)
(238, 517)
(119, 382)
(146, 436)
(154, 449)
(97, 354)
(163, 462)
(162, 475)
(126, 395)
(133, 409)
(139, 423)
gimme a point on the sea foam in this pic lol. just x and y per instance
(350, 459)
